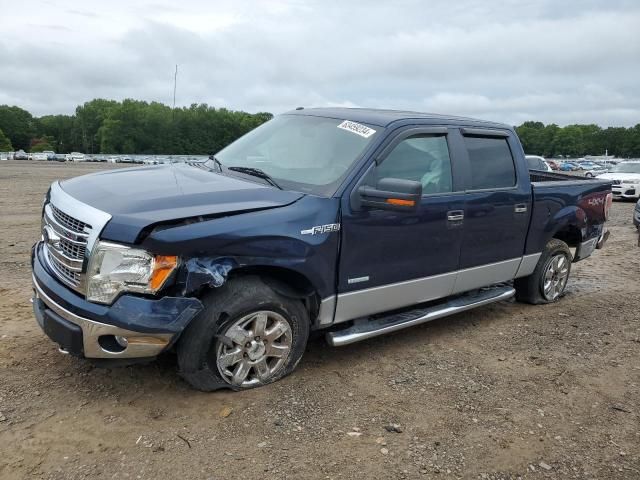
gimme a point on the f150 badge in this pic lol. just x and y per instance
(330, 227)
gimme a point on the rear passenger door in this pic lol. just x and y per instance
(497, 208)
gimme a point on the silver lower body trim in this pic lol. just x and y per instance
(326, 311)
(528, 265)
(483, 275)
(390, 297)
(139, 344)
(362, 303)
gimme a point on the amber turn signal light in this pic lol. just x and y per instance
(163, 265)
(401, 202)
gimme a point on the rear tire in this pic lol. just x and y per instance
(548, 281)
(247, 336)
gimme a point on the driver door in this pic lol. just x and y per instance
(390, 258)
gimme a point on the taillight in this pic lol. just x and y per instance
(607, 205)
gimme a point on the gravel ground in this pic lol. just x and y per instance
(505, 391)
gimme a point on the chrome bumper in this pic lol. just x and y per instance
(139, 344)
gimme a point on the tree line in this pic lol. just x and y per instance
(132, 126)
(579, 140)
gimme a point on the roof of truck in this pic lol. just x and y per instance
(383, 118)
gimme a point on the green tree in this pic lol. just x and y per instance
(5, 143)
(61, 129)
(18, 125)
(88, 120)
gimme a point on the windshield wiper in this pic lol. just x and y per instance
(256, 172)
(213, 158)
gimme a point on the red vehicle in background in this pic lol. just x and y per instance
(553, 164)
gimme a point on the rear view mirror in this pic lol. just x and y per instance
(392, 194)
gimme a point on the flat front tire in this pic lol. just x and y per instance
(548, 281)
(247, 336)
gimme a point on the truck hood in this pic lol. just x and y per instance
(620, 176)
(140, 197)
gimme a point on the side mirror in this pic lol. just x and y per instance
(392, 194)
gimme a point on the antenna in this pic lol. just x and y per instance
(175, 83)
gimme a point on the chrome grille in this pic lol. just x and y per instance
(65, 239)
(68, 221)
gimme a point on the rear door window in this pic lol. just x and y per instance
(491, 163)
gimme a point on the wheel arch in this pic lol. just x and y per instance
(285, 281)
(569, 234)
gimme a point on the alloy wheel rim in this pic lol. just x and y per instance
(555, 277)
(254, 348)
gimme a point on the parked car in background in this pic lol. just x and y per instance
(537, 163)
(569, 166)
(20, 155)
(76, 157)
(625, 178)
(40, 156)
(586, 164)
(553, 164)
(58, 157)
(596, 170)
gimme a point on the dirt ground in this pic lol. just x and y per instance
(505, 391)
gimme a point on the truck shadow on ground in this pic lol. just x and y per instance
(320, 359)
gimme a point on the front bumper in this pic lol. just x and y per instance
(89, 330)
(626, 191)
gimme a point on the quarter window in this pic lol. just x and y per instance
(421, 158)
(491, 163)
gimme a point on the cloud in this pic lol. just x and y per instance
(564, 62)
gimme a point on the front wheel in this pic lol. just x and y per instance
(548, 281)
(247, 336)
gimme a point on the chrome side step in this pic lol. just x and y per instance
(363, 329)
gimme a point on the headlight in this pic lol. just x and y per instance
(117, 268)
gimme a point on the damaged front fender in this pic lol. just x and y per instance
(206, 272)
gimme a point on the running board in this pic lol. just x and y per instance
(364, 329)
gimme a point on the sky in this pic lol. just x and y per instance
(555, 61)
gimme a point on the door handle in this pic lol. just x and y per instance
(455, 215)
(520, 208)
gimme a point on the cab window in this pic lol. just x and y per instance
(491, 163)
(421, 158)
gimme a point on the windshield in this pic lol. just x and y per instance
(626, 168)
(305, 153)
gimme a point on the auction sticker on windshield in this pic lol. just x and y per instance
(357, 128)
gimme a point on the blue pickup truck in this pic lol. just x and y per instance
(357, 222)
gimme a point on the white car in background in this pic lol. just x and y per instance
(625, 178)
(536, 162)
(76, 157)
(41, 156)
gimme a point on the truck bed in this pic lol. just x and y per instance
(559, 199)
(538, 176)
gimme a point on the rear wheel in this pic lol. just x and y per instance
(247, 336)
(548, 281)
